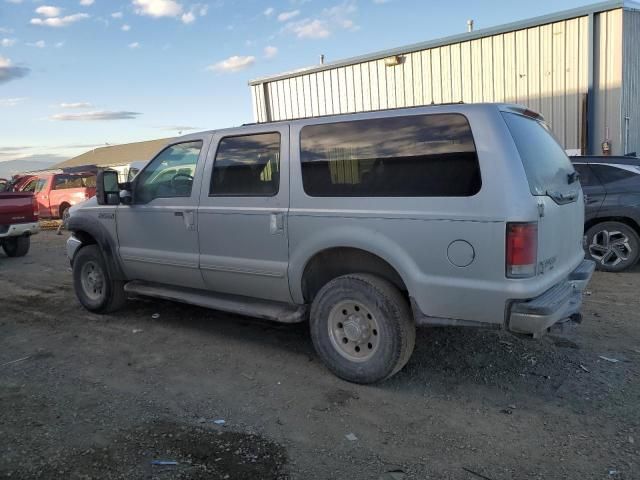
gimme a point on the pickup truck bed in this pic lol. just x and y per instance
(18, 221)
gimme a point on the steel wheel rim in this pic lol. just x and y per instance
(92, 279)
(610, 248)
(354, 331)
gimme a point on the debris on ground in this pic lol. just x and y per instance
(506, 411)
(351, 437)
(219, 422)
(479, 475)
(16, 361)
(393, 475)
(585, 368)
(137, 330)
(164, 462)
(609, 359)
(155, 316)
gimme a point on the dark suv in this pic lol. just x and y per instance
(612, 219)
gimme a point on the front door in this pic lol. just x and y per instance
(158, 232)
(243, 213)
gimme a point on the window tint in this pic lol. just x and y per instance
(610, 174)
(415, 156)
(247, 165)
(170, 174)
(64, 181)
(31, 186)
(587, 177)
(545, 162)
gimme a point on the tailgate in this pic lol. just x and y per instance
(16, 208)
(554, 185)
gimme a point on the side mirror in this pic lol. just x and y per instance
(107, 189)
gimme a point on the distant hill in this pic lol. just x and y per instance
(35, 162)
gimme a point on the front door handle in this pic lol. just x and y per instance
(189, 218)
(276, 223)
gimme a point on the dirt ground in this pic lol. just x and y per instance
(86, 396)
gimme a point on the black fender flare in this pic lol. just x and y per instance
(108, 245)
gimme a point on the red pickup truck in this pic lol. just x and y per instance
(18, 221)
(57, 192)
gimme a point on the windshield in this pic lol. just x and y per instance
(545, 162)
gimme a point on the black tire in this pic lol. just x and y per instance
(62, 210)
(107, 295)
(614, 246)
(394, 339)
(16, 246)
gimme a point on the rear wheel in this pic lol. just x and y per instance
(93, 285)
(362, 328)
(16, 246)
(614, 246)
(63, 211)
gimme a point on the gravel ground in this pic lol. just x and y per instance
(90, 396)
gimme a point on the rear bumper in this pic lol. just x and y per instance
(560, 302)
(19, 229)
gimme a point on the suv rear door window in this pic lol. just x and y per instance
(247, 166)
(613, 173)
(587, 177)
(412, 156)
(545, 162)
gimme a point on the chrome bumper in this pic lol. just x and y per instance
(20, 229)
(72, 246)
(560, 302)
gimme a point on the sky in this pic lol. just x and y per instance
(76, 74)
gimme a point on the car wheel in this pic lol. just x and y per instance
(362, 328)
(63, 211)
(93, 285)
(16, 246)
(614, 246)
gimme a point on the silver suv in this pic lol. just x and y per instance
(365, 225)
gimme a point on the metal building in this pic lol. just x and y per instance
(580, 68)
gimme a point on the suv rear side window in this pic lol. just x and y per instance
(545, 162)
(247, 166)
(414, 156)
(611, 173)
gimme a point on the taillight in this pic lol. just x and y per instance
(522, 249)
(34, 206)
(87, 196)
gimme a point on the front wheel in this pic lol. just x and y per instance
(614, 246)
(16, 246)
(362, 328)
(93, 285)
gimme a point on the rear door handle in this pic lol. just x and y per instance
(189, 218)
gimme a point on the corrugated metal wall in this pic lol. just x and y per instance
(544, 67)
(631, 81)
(607, 81)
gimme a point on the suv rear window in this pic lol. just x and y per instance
(413, 156)
(545, 162)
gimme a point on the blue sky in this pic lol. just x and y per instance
(75, 74)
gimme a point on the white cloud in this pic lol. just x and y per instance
(75, 105)
(158, 8)
(14, 1)
(310, 28)
(94, 116)
(233, 64)
(48, 11)
(270, 52)
(188, 18)
(196, 10)
(286, 16)
(86, 3)
(134, 45)
(125, 28)
(58, 22)
(8, 42)
(269, 11)
(8, 71)
(116, 15)
(11, 102)
(380, 2)
(38, 44)
(59, 45)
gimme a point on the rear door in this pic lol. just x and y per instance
(42, 190)
(243, 213)
(554, 184)
(594, 192)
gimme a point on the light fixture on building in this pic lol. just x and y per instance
(393, 61)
